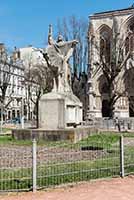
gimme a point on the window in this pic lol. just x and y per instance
(105, 40)
(129, 43)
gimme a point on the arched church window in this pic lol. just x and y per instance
(129, 43)
(102, 46)
(105, 88)
(131, 26)
(132, 43)
(105, 47)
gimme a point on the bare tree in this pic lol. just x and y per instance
(112, 63)
(38, 81)
(73, 28)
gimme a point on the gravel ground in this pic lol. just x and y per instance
(129, 141)
(113, 189)
(20, 156)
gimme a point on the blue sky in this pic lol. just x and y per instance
(24, 22)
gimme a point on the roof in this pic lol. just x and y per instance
(130, 8)
(111, 12)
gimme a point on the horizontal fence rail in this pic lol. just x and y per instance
(35, 166)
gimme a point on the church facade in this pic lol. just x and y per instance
(111, 64)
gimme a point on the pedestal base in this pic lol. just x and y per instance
(94, 114)
(59, 111)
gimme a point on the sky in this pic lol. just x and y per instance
(25, 22)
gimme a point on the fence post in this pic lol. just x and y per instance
(34, 152)
(122, 174)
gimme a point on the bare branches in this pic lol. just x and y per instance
(73, 28)
(38, 80)
(113, 69)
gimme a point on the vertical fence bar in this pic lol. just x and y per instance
(122, 174)
(34, 165)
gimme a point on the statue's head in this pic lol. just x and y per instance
(60, 38)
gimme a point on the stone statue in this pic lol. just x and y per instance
(57, 55)
(60, 108)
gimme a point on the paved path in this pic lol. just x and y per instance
(114, 189)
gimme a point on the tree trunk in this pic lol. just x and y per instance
(37, 113)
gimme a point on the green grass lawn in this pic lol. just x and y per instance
(6, 130)
(55, 173)
(9, 140)
(51, 175)
(106, 139)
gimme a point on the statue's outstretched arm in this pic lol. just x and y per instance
(73, 42)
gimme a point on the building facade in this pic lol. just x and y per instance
(11, 84)
(17, 102)
(32, 58)
(111, 34)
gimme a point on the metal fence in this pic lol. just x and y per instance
(15, 168)
(41, 166)
(128, 153)
(110, 124)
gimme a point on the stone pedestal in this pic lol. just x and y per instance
(59, 111)
(92, 114)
